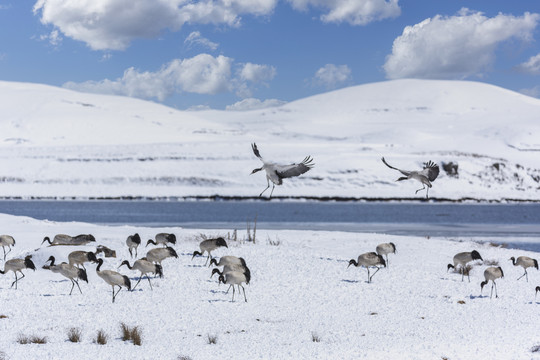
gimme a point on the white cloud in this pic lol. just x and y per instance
(531, 66)
(254, 104)
(354, 12)
(332, 76)
(54, 38)
(201, 74)
(257, 73)
(107, 25)
(454, 47)
(195, 38)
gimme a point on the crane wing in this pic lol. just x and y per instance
(431, 170)
(256, 151)
(404, 172)
(287, 171)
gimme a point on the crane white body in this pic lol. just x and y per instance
(6, 240)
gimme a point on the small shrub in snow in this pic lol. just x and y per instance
(3, 316)
(212, 339)
(181, 357)
(38, 340)
(133, 334)
(23, 339)
(74, 335)
(271, 242)
(315, 337)
(102, 337)
(136, 336)
(126, 332)
(535, 348)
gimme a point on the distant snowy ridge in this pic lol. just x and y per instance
(57, 143)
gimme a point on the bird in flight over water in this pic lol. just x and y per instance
(276, 172)
(427, 175)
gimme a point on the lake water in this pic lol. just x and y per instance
(515, 224)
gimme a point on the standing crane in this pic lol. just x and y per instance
(276, 172)
(427, 175)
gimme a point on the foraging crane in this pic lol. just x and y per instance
(63, 239)
(235, 278)
(385, 249)
(17, 265)
(79, 257)
(6, 240)
(69, 271)
(276, 172)
(113, 278)
(367, 260)
(208, 246)
(462, 259)
(233, 267)
(163, 239)
(145, 267)
(427, 175)
(492, 273)
(228, 260)
(525, 262)
(133, 242)
(160, 254)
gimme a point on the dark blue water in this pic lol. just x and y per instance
(515, 224)
(519, 217)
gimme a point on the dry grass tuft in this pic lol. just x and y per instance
(101, 338)
(134, 334)
(535, 348)
(211, 339)
(183, 357)
(24, 339)
(315, 337)
(3, 316)
(461, 302)
(74, 335)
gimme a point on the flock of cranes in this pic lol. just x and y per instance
(275, 172)
(234, 269)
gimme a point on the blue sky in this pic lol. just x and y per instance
(241, 54)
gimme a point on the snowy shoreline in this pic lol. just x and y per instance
(301, 289)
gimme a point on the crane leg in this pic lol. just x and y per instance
(77, 283)
(524, 274)
(133, 288)
(151, 288)
(233, 293)
(368, 277)
(378, 268)
(420, 189)
(267, 186)
(271, 192)
(244, 292)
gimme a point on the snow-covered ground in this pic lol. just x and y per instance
(62, 144)
(300, 289)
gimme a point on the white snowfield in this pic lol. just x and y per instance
(59, 143)
(300, 290)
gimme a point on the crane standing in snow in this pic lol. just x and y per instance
(276, 172)
(428, 174)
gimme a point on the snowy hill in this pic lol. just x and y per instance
(60, 143)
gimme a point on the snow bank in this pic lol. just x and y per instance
(60, 143)
(300, 289)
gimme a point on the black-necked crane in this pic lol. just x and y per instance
(367, 260)
(462, 259)
(17, 265)
(426, 176)
(233, 268)
(492, 273)
(208, 246)
(276, 172)
(228, 260)
(385, 249)
(133, 242)
(63, 239)
(79, 257)
(113, 278)
(163, 239)
(160, 254)
(6, 240)
(69, 271)
(235, 278)
(525, 262)
(144, 267)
